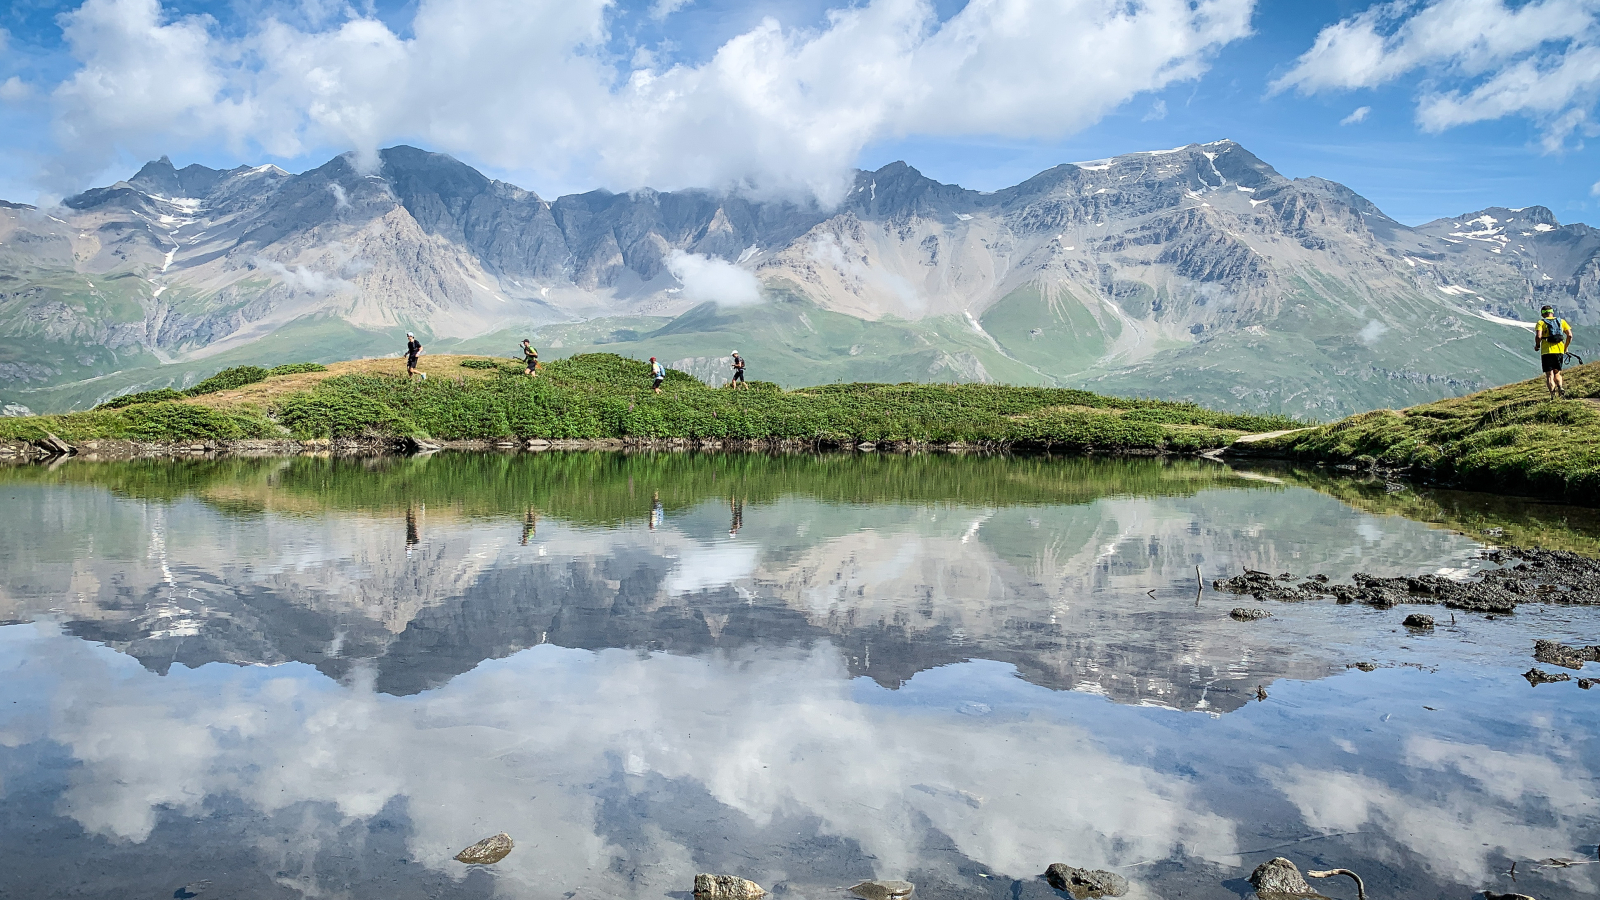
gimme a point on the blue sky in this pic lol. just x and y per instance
(1468, 103)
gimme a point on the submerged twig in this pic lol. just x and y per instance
(1361, 889)
(1199, 585)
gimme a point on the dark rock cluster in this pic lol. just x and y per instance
(1558, 654)
(1543, 576)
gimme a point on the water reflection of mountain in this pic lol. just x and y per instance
(901, 564)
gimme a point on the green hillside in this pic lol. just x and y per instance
(605, 396)
(1512, 438)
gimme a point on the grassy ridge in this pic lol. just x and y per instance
(597, 396)
(1511, 438)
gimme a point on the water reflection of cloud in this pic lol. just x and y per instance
(1482, 804)
(616, 762)
(705, 566)
(520, 744)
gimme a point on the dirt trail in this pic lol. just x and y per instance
(1252, 438)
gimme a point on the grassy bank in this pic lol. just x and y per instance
(600, 396)
(1509, 439)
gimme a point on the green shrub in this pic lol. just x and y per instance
(229, 379)
(187, 422)
(340, 415)
(479, 364)
(296, 368)
(155, 396)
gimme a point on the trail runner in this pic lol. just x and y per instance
(413, 350)
(1551, 337)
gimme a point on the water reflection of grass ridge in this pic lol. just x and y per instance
(607, 488)
(604, 396)
(1494, 518)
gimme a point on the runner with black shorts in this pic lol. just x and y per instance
(413, 350)
(530, 359)
(1551, 336)
(738, 372)
(658, 373)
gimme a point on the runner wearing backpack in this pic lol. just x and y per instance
(1551, 337)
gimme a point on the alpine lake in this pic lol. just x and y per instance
(322, 678)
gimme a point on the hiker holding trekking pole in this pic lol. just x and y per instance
(1551, 337)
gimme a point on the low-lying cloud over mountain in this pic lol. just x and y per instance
(1195, 272)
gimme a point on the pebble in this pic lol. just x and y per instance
(883, 890)
(726, 887)
(1084, 883)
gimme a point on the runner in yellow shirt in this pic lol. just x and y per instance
(1550, 337)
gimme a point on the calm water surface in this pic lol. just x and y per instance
(322, 678)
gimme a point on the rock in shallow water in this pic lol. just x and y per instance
(1418, 620)
(1558, 654)
(883, 890)
(1083, 883)
(725, 887)
(488, 851)
(1537, 677)
(1248, 615)
(1279, 879)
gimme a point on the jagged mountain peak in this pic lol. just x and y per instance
(162, 179)
(898, 190)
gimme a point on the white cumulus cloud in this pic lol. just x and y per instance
(1486, 59)
(663, 8)
(719, 281)
(527, 85)
(14, 89)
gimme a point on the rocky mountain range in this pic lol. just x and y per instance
(1198, 272)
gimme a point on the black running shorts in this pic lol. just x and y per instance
(1551, 361)
(738, 374)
